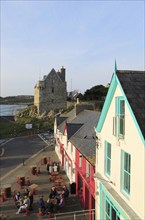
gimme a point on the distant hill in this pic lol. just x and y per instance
(20, 99)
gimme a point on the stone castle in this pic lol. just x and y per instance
(51, 93)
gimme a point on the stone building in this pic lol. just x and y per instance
(51, 93)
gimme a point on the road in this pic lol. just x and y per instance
(19, 149)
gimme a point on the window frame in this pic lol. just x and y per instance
(125, 172)
(107, 159)
(119, 122)
(88, 169)
(80, 160)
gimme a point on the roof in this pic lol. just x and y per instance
(60, 120)
(72, 128)
(133, 84)
(65, 118)
(85, 138)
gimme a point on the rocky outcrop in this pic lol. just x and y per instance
(31, 111)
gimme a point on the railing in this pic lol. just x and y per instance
(76, 215)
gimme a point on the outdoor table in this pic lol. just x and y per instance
(33, 187)
(59, 189)
(59, 181)
(54, 173)
(54, 201)
(21, 179)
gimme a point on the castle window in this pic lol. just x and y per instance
(52, 90)
(52, 100)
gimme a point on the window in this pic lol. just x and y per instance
(80, 160)
(109, 208)
(119, 119)
(87, 170)
(125, 174)
(107, 158)
(52, 90)
(71, 148)
(111, 213)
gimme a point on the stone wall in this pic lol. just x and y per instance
(51, 94)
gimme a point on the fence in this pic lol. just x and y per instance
(77, 215)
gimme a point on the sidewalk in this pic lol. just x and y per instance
(8, 207)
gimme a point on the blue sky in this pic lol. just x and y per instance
(83, 36)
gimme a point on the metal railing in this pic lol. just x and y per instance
(76, 215)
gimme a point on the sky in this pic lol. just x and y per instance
(86, 37)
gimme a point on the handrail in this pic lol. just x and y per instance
(74, 215)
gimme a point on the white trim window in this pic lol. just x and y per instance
(88, 169)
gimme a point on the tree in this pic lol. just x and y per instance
(96, 93)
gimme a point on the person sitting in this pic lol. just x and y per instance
(26, 192)
(41, 204)
(66, 191)
(53, 193)
(25, 205)
(61, 201)
(18, 200)
(49, 206)
(17, 196)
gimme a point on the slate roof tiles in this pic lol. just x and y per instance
(133, 84)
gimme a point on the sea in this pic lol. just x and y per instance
(11, 110)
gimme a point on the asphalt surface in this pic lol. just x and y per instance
(17, 151)
(11, 169)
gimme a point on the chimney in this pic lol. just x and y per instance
(62, 74)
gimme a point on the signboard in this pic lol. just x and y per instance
(28, 126)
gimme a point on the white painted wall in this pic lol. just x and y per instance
(68, 166)
(133, 145)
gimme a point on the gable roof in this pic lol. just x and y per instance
(85, 138)
(52, 73)
(61, 120)
(72, 128)
(132, 85)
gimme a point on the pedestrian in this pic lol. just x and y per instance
(41, 204)
(55, 167)
(31, 197)
(47, 167)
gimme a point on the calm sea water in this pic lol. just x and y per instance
(11, 110)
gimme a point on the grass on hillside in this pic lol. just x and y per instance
(17, 128)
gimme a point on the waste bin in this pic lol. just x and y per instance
(7, 190)
(73, 188)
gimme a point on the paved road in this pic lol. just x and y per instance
(17, 150)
